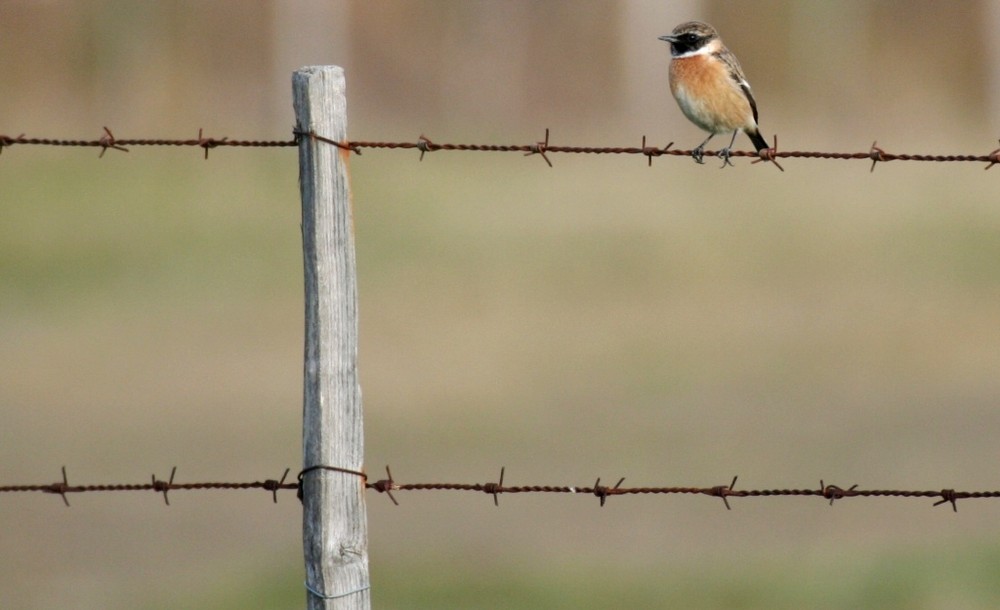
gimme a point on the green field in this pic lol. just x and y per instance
(676, 325)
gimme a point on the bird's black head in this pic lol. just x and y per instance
(690, 36)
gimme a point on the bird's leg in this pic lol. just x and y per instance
(724, 153)
(699, 152)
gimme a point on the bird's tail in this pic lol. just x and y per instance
(758, 140)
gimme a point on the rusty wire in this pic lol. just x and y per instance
(875, 153)
(389, 485)
(724, 492)
(542, 148)
(109, 141)
(61, 488)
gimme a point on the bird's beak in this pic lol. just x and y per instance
(668, 38)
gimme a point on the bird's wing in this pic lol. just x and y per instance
(736, 74)
(745, 86)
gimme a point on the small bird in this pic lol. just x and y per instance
(708, 84)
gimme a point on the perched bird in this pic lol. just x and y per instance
(708, 84)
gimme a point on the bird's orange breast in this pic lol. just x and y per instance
(708, 96)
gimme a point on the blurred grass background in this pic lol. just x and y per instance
(673, 324)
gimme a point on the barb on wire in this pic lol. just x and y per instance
(948, 495)
(60, 488)
(495, 488)
(994, 158)
(832, 492)
(539, 148)
(724, 491)
(7, 141)
(876, 154)
(208, 143)
(108, 141)
(604, 492)
(386, 485)
(424, 144)
(652, 151)
(769, 154)
(273, 485)
(164, 487)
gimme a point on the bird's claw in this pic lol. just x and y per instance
(725, 153)
(698, 154)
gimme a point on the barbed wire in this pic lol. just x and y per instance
(542, 148)
(389, 485)
(63, 487)
(109, 141)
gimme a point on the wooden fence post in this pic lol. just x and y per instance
(334, 523)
